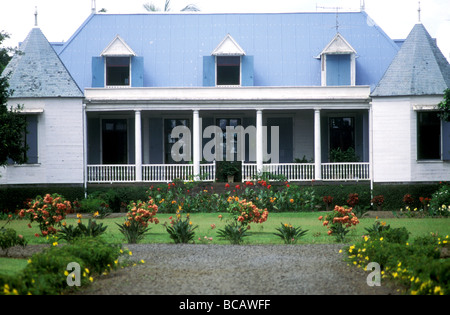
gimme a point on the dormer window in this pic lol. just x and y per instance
(228, 70)
(118, 66)
(338, 63)
(118, 71)
(228, 62)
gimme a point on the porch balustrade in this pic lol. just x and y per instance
(150, 173)
(345, 171)
(291, 171)
(185, 172)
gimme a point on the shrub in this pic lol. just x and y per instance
(246, 212)
(416, 267)
(9, 238)
(290, 234)
(96, 206)
(440, 201)
(234, 233)
(181, 230)
(47, 274)
(71, 232)
(139, 216)
(339, 221)
(48, 212)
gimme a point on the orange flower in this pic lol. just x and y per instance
(291, 200)
(320, 218)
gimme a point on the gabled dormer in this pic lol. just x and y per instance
(338, 63)
(228, 65)
(117, 66)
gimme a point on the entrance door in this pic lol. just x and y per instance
(114, 141)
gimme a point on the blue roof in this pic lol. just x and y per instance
(284, 45)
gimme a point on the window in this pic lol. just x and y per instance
(31, 139)
(118, 71)
(342, 133)
(228, 70)
(428, 136)
(169, 124)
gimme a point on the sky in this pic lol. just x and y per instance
(59, 19)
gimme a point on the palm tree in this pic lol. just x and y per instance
(152, 8)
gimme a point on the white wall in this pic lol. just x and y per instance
(391, 140)
(60, 144)
(395, 142)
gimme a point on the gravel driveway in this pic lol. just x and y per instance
(171, 269)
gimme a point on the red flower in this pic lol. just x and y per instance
(227, 185)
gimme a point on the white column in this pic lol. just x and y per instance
(138, 145)
(259, 141)
(317, 146)
(196, 142)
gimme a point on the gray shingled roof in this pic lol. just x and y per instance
(419, 68)
(38, 71)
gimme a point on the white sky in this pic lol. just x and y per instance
(59, 19)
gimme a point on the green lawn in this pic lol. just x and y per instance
(260, 233)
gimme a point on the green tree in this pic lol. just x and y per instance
(151, 7)
(444, 106)
(12, 123)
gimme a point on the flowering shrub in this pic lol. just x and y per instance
(353, 200)
(440, 201)
(408, 200)
(339, 221)
(416, 267)
(378, 200)
(48, 212)
(246, 212)
(139, 216)
(181, 230)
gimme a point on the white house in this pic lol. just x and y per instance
(315, 88)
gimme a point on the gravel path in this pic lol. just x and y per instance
(171, 269)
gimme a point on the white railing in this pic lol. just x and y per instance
(291, 171)
(249, 171)
(111, 173)
(345, 171)
(183, 172)
(208, 172)
(167, 172)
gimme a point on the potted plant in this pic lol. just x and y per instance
(229, 170)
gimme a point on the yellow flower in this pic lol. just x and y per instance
(437, 290)
(96, 214)
(87, 270)
(91, 279)
(55, 244)
(66, 273)
(381, 238)
(79, 216)
(142, 261)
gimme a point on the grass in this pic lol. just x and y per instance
(11, 266)
(260, 233)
